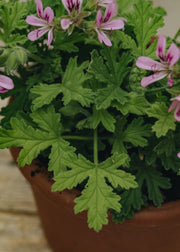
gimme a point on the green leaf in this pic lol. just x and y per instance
(44, 94)
(127, 42)
(165, 122)
(72, 84)
(13, 19)
(60, 151)
(105, 118)
(48, 120)
(22, 135)
(109, 68)
(35, 140)
(146, 22)
(166, 146)
(98, 196)
(136, 132)
(155, 181)
(68, 43)
(135, 104)
(105, 96)
(71, 87)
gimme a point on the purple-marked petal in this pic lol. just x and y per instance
(32, 20)
(65, 23)
(5, 84)
(65, 3)
(177, 98)
(103, 38)
(36, 34)
(39, 8)
(178, 155)
(113, 25)
(152, 78)
(176, 103)
(170, 81)
(110, 12)
(173, 105)
(177, 113)
(80, 3)
(173, 54)
(48, 14)
(50, 37)
(99, 19)
(71, 5)
(149, 64)
(161, 47)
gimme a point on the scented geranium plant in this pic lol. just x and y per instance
(96, 98)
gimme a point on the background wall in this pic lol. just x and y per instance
(172, 20)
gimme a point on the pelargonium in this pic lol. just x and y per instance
(164, 67)
(107, 24)
(45, 21)
(6, 84)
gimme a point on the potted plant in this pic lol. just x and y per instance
(95, 108)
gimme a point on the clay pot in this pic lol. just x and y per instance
(151, 230)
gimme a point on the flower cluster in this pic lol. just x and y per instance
(75, 17)
(162, 69)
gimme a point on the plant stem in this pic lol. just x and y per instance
(83, 138)
(77, 138)
(96, 146)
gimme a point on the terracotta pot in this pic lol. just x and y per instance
(152, 229)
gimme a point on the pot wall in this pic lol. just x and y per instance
(152, 229)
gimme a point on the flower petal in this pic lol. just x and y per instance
(99, 19)
(36, 34)
(48, 14)
(178, 155)
(173, 105)
(65, 3)
(5, 84)
(170, 81)
(79, 2)
(110, 12)
(153, 78)
(177, 113)
(173, 54)
(65, 23)
(115, 24)
(32, 20)
(50, 37)
(103, 38)
(149, 64)
(39, 8)
(177, 98)
(161, 47)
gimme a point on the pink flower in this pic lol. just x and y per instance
(72, 6)
(176, 104)
(5, 84)
(164, 67)
(106, 23)
(178, 155)
(45, 22)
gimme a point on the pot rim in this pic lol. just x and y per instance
(151, 216)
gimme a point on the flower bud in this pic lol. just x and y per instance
(3, 56)
(17, 57)
(21, 55)
(11, 63)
